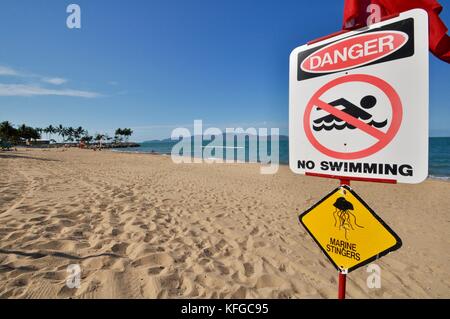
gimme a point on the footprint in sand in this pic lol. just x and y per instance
(157, 259)
(119, 248)
(249, 270)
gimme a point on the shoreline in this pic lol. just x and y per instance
(430, 177)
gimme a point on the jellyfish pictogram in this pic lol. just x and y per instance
(343, 217)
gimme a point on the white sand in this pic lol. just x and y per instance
(142, 227)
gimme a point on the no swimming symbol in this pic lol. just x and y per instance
(353, 117)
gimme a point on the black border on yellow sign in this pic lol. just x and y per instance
(397, 245)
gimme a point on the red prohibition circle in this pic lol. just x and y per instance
(397, 114)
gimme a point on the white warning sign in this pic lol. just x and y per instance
(359, 103)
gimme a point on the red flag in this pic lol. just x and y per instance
(355, 16)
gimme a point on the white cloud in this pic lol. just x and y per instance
(36, 90)
(54, 81)
(4, 70)
(31, 90)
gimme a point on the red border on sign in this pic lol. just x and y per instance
(383, 138)
(353, 178)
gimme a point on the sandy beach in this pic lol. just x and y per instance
(140, 226)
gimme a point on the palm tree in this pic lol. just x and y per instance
(78, 133)
(87, 138)
(50, 130)
(127, 132)
(39, 130)
(118, 135)
(61, 130)
(70, 132)
(8, 134)
(22, 132)
(6, 130)
(46, 131)
(28, 133)
(35, 134)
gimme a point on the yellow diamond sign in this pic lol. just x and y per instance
(348, 231)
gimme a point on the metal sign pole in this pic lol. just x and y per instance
(341, 202)
(342, 284)
(342, 280)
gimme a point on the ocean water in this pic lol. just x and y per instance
(439, 153)
(439, 160)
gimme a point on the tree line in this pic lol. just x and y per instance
(12, 135)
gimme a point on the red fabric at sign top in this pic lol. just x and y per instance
(355, 16)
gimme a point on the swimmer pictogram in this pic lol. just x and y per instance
(343, 217)
(352, 117)
(331, 121)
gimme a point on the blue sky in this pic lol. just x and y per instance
(154, 65)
